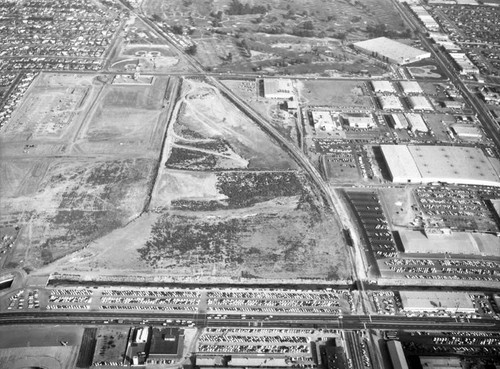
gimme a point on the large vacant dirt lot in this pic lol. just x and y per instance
(227, 202)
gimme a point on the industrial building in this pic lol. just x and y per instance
(391, 51)
(440, 362)
(467, 131)
(453, 104)
(436, 243)
(355, 121)
(446, 241)
(397, 355)
(399, 121)
(390, 102)
(433, 301)
(324, 121)
(416, 123)
(491, 95)
(166, 343)
(449, 164)
(277, 88)
(383, 86)
(465, 65)
(420, 103)
(411, 87)
(427, 20)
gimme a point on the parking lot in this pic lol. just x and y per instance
(460, 208)
(248, 341)
(282, 301)
(375, 229)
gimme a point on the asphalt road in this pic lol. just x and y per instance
(347, 322)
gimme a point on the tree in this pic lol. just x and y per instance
(191, 50)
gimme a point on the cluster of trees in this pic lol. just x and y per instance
(381, 29)
(238, 8)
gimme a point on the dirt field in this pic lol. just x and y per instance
(257, 221)
(334, 93)
(111, 344)
(67, 187)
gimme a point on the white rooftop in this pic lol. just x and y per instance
(393, 50)
(450, 164)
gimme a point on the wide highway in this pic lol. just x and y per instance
(347, 322)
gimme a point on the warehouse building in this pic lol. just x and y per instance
(433, 301)
(420, 103)
(363, 122)
(465, 65)
(390, 102)
(277, 88)
(383, 87)
(166, 343)
(416, 123)
(449, 164)
(399, 121)
(411, 87)
(391, 51)
(440, 362)
(467, 131)
(324, 121)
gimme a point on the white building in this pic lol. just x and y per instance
(420, 103)
(448, 164)
(390, 102)
(411, 87)
(383, 86)
(391, 51)
(360, 122)
(467, 131)
(400, 121)
(465, 65)
(416, 123)
(324, 121)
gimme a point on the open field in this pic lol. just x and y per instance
(111, 344)
(272, 110)
(67, 187)
(297, 36)
(205, 113)
(36, 346)
(77, 203)
(335, 93)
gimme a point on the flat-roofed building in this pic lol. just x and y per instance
(400, 121)
(465, 65)
(453, 104)
(383, 86)
(467, 131)
(359, 121)
(416, 123)
(433, 301)
(324, 121)
(390, 102)
(449, 164)
(278, 88)
(440, 362)
(391, 51)
(420, 103)
(397, 355)
(400, 163)
(411, 87)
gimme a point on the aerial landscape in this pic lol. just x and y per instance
(244, 183)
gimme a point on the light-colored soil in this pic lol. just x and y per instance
(334, 93)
